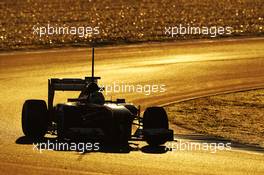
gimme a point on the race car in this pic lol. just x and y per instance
(91, 117)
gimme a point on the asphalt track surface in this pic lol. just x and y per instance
(187, 69)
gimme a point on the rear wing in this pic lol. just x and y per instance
(67, 84)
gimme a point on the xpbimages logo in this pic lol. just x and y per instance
(121, 87)
(212, 31)
(80, 31)
(194, 146)
(80, 147)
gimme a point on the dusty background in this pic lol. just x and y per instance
(122, 21)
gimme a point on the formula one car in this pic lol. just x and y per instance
(91, 117)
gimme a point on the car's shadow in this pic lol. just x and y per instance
(78, 146)
(134, 146)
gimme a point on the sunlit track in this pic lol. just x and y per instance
(188, 70)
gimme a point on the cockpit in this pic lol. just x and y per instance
(92, 94)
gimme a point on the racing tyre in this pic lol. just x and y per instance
(155, 118)
(34, 118)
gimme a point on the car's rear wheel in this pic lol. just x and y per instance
(34, 118)
(155, 118)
